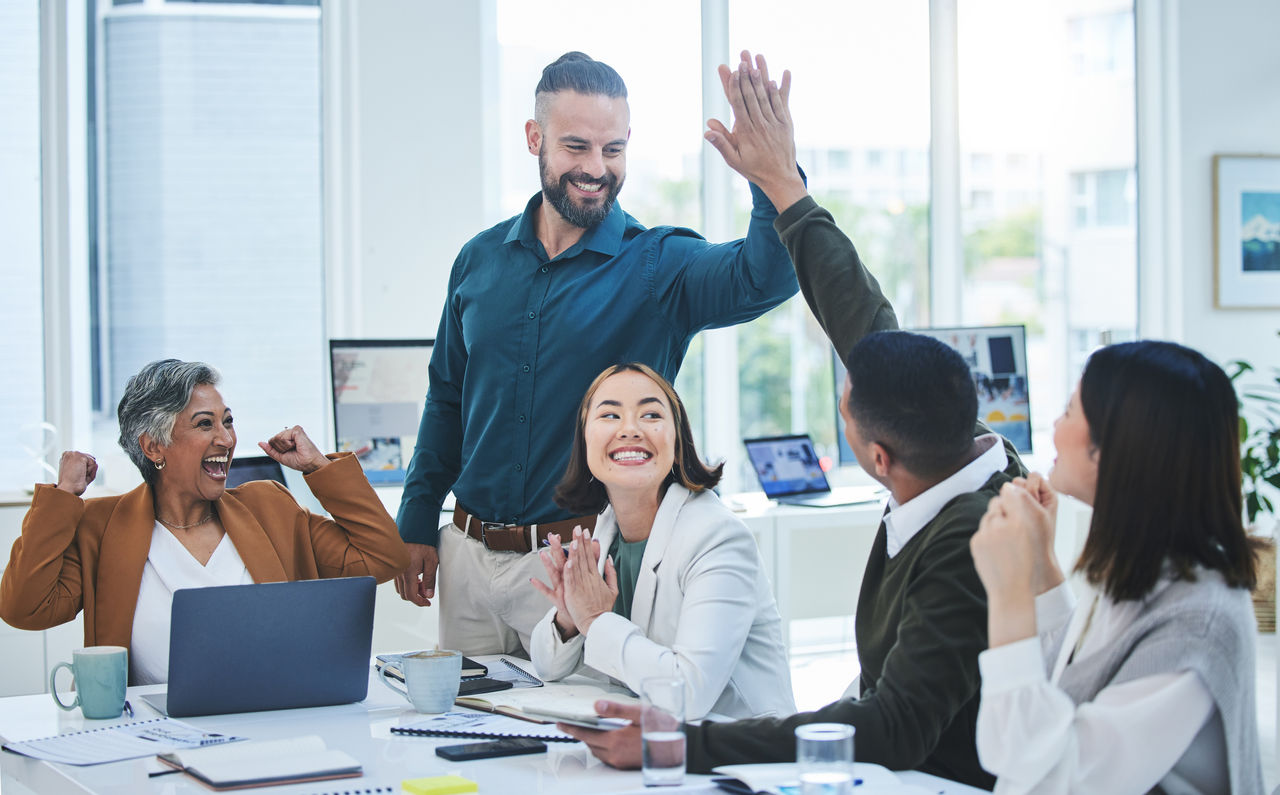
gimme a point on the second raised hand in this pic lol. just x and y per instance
(761, 145)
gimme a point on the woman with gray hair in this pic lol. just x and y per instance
(121, 558)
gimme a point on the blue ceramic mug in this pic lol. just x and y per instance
(99, 675)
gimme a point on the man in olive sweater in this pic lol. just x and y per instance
(910, 412)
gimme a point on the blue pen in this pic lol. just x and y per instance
(546, 542)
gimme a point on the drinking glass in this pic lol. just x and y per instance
(824, 752)
(661, 715)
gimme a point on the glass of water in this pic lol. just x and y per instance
(824, 753)
(661, 715)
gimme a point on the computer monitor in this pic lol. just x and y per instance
(997, 359)
(379, 392)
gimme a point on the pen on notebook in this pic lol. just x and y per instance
(128, 710)
(164, 772)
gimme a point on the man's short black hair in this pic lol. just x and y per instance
(578, 72)
(914, 396)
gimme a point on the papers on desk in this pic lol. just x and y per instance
(260, 764)
(783, 778)
(118, 742)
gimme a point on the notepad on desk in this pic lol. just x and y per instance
(555, 701)
(264, 763)
(783, 778)
(480, 725)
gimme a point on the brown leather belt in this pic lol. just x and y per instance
(522, 538)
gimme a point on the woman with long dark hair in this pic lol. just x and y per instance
(1148, 684)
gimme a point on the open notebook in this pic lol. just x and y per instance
(264, 763)
(554, 701)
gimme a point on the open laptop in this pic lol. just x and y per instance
(790, 473)
(279, 645)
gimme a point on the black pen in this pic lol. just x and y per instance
(128, 710)
(164, 772)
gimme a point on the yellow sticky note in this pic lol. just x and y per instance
(438, 785)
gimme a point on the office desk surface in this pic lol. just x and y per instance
(363, 730)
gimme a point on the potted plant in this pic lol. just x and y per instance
(1260, 475)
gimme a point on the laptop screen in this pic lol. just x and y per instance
(254, 467)
(787, 465)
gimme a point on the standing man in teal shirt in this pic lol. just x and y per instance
(536, 307)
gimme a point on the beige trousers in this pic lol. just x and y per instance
(487, 605)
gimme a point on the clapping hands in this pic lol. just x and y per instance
(578, 591)
(1014, 556)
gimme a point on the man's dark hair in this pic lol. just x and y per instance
(578, 72)
(915, 397)
(1165, 422)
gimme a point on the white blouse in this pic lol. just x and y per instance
(1156, 730)
(170, 567)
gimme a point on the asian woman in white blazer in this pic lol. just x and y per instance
(672, 582)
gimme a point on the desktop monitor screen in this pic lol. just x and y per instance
(997, 359)
(379, 392)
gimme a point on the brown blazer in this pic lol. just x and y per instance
(77, 554)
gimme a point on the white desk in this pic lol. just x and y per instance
(814, 556)
(363, 730)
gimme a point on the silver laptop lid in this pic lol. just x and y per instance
(245, 648)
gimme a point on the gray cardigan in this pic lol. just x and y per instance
(1202, 626)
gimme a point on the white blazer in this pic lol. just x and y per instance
(703, 609)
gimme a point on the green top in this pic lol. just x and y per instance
(626, 561)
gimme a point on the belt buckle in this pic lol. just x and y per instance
(485, 527)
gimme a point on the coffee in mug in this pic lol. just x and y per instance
(431, 678)
(99, 675)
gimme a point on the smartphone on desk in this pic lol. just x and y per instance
(478, 685)
(513, 746)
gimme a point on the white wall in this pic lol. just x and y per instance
(1228, 102)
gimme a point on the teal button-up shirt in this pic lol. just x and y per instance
(522, 336)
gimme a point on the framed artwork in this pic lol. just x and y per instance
(1246, 231)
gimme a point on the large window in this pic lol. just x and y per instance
(206, 211)
(664, 154)
(23, 440)
(208, 234)
(1047, 182)
(860, 101)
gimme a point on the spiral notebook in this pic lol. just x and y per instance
(484, 725)
(118, 742)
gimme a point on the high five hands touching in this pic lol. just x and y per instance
(762, 145)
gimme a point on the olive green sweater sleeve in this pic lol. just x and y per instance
(841, 292)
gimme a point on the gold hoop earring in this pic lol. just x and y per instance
(159, 465)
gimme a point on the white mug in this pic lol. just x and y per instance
(431, 679)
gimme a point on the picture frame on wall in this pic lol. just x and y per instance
(1246, 231)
